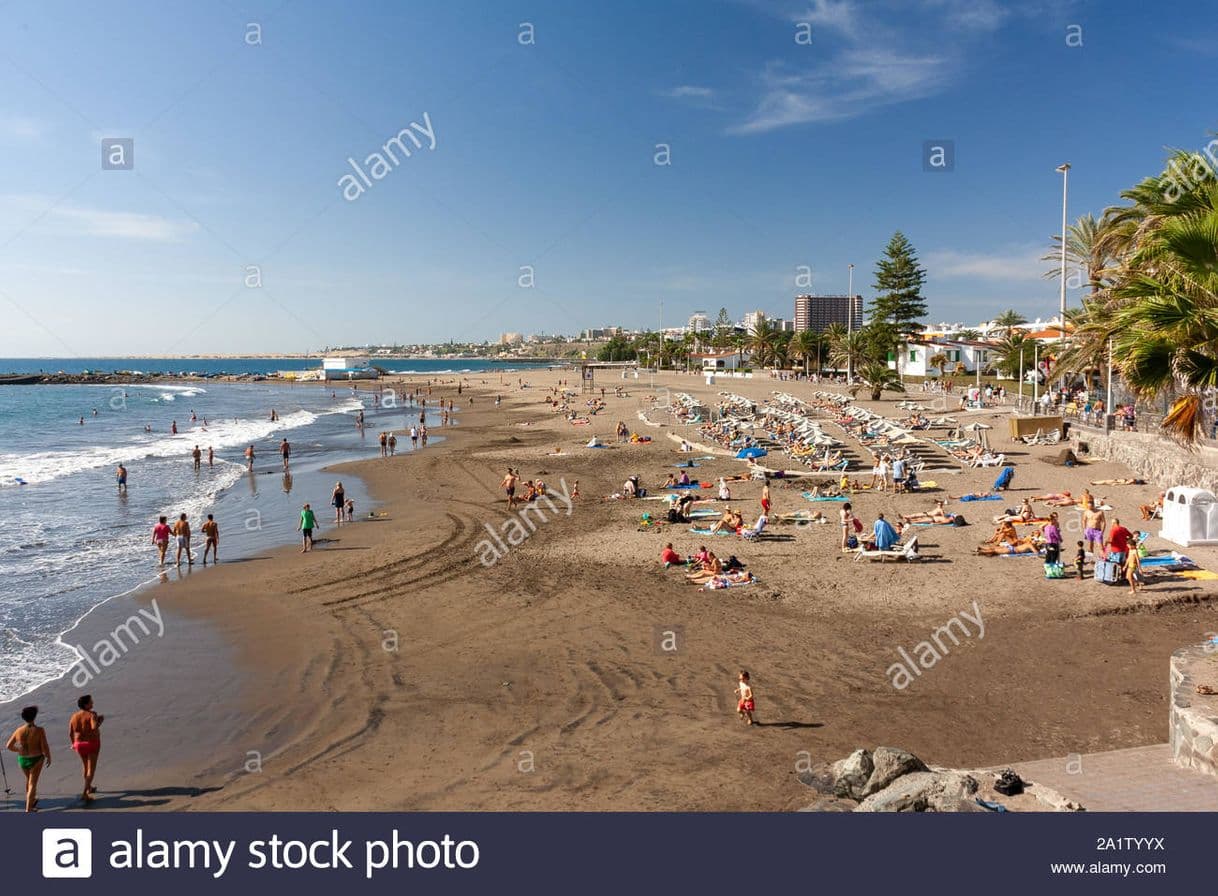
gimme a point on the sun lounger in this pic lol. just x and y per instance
(990, 460)
(907, 552)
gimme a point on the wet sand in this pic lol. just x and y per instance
(392, 670)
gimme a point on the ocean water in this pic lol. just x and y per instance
(250, 366)
(69, 541)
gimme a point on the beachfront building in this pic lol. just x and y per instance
(818, 312)
(348, 368)
(699, 322)
(721, 362)
(961, 356)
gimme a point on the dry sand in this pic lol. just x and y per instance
(537, 683)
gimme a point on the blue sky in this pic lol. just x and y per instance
(783, 154)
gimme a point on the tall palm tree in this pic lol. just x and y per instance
(761, 342)
(938, 360)
(1009, 320)
(879, 377)
(1091, 245)
(1165, 334)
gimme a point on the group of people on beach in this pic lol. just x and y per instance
(181, 533)
(33, 748)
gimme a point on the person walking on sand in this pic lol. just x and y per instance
(160, 538)
(765, 498)
(286, 450)
(121, 475)
(181, 531)
(33, 751)
(509, 487)
(338, 500)
(1093, 530)
(745, 704)
(84, 731)
(308, 522)
(249, 458)
(211, 540)
(847, 521)
(197, 457)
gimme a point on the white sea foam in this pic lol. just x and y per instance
(45, 466)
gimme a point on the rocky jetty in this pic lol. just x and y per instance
(894, 780)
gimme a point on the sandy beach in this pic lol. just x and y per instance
(391, 669)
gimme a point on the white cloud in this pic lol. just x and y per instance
(687, 91)
(843, 88)
(1021, 263)
(866, 56)
(838, 16)
(20, 128)
(81, 220)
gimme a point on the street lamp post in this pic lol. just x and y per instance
(849, 326)
(1064, 170)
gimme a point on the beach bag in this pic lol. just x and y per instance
(1054, 571)
(1107, 572)
(851, 542)
(1009, 783)
(857, 523)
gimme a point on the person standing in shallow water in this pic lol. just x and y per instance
(308, 522)
(33, 751)
(84, 730)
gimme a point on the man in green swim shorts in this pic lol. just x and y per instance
(308, 522)
(33, 751)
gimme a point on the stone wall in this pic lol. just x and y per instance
(1151, 457)
(1194, 718)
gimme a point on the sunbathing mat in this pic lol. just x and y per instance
(1197, 575)
(697, 531)
(811, 497)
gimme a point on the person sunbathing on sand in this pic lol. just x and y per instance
(730, 520)
(1004, 533)
(1118, 481)
(1017, 546)
(1025, 514)
(728, 579)
(1064, 499)
(936, 515)
(710, 568)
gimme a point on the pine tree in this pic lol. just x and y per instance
(898, 285)
(723, 329)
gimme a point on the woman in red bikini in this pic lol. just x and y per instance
(84, 730)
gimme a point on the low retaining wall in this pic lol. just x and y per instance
(1194, 718)
(1151, 456)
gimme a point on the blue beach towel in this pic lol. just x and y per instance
(981, 498)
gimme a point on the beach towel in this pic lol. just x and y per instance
(712, 586)
(696, 531)
(981, 497)
(812, 497)
(690, 485)
(1167, 560)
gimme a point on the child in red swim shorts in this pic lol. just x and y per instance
(745, 705)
